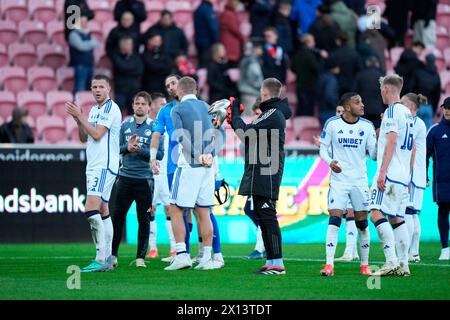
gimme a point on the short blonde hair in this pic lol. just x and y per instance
(188, 85)
(392, 80)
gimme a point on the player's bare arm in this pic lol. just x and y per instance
(95, 132)
(391, 143)
(156, 137)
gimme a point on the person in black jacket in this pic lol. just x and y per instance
(157, 65)
(219, 82)
(262, 175)
(274, 58)
(438, 142)
(137, 8)
(127, 68)
(69, 15)
(17, 130)
(124, 28)
(407, 65)
(173, 38)
(426, 81)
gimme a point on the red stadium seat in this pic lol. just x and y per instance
(72, 130)
(42, 79)
(189, 31)
(107, 27)
(22, 55)
(33, 32)
(2, 121)
(8, 32)
(304, 123)
(101, 59)
(55, 32)
(85, 100)
(51, 129)
(53, 56)
(42, 10)
(103, 10)
(65, 78)
(15, 10)
(96, 30)
(7, 104)
(309, 134)
(181, 10)
(246, 28)
(234, 74)
(154, 9)
(442, 38)
(396, 52)
(13, 79)
(447, 56)
(33, 101)
(3, 55)
(445, 79)
(56, 103)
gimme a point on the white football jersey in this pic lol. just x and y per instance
(105, 153)
(419, 174)
(348, 143)
(397, 118)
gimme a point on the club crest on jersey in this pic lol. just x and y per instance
(148, 132)
(361, 132)
(351, 131)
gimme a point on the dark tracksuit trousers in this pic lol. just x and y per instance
(127, 191)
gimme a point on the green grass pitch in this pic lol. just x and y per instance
(40, 272)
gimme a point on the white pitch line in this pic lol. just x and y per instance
(226, 257)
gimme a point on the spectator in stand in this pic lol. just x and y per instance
(157, 65)
(407, 65)
(185, 67)
(426, 81)
(81, 47)
(173, 38)
(260, 16)
(206, 31)
(423, 21)
(325, 30)
(397, 12)
(283, 25)
(346, 19)
(357, 6)
(17, 130)
(70, 15)
(368, 87)
(127, 69)
(251, 76)
(306, 65)
(327, 86)
(219, 82)
(349, 63)
(371, 43)
(230, 34)
(274, 59)
(124, 28)
(137, 8)
(304, 14)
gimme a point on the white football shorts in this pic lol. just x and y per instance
(392, 201)
(342, 197)
(99, 182)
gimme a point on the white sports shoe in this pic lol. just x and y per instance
(205, 265)
(169, 259)
(445, 254)
(403, 270)
(197, 259)
(140, 263)
(348, 257)
(218, 263)
(388, 269)
(181, 261)
(414, 258)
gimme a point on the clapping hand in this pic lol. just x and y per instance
(133, 146)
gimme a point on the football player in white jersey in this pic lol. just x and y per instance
(418, 175)
(389, 190)
(350, 137)
(101, 131)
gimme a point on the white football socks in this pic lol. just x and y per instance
(170, 233)
(351, 232)
(415, 241)
(152, 235)
(364, 245)
(402, 243)
(331, 243)
(109, 233)
(98, 236)
(206, 253)
(386, 235)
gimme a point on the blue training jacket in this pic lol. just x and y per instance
(438, 146)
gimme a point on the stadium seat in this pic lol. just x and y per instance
(103, 10)
(395, 53)
(96, 30)
(153, 9)
(8, 32)
(51, 129)
(42, 79)
(446, 54)
(65, 78)
(202, 75)
(14, 10)
(55, 32)
(181, 10)
(445, 79)
(22, 55)
(56, 103)
(246, 28)
(42, 10)
(14, 79)
(2, 120)
(7, 104)
(107, 27)
(72, 130)
(189, 31)
(33, 32)
(53, 56)
(33, 101)
(32, 123)
(303, 123)
(234, 74)
(85, 100)
(3, 55)
(101, 59)
(442, 38)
